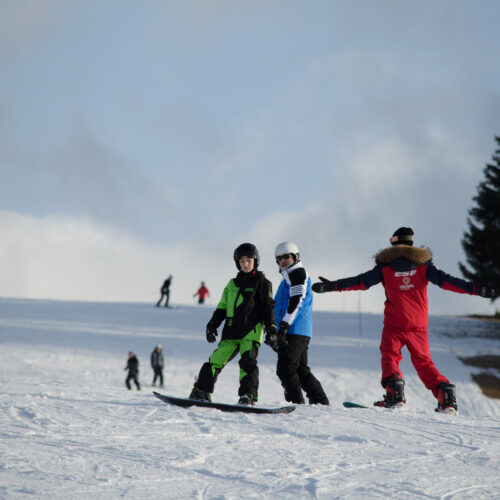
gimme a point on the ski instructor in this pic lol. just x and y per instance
(405, 272)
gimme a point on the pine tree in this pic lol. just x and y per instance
(481, 242)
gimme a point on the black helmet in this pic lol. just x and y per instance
(246, 250)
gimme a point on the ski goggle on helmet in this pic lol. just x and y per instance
(246, 250)
(287, 248)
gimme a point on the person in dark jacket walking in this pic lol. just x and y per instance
(247, 306)
(133, 371)
(165, 291)
(405, 272)
(157, 364)
(294, 303)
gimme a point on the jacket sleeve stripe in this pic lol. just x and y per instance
(297, 290)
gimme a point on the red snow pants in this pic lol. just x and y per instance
(417, 343)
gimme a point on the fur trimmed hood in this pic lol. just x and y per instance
(420, 255)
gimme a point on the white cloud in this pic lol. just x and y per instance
(70, 258)
(385, 165)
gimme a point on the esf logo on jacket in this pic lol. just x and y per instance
(406, 285)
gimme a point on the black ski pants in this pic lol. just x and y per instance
(163, 294)
(158, 370)
(132, 376)
(294, 373)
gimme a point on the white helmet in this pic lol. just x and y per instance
(287, 247)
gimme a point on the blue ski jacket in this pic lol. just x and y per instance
(294, 301)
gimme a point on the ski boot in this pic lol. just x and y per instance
(246, 400)
(200, 395)
(394, 396)
(447, 402)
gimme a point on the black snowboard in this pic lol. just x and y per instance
(186, 403)
(350, 404)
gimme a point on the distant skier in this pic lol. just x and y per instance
(293, 310)
(165, 291)
(133, 371)
(157, 364)
(405, 272)
(246, 305)
(202, 293)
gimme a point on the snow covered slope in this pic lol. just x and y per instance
(70, 429)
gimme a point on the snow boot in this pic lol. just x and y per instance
(246, 400)
(394, 396)
(446, 396)
(200, 395)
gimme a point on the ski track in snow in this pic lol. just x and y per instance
(69, 428)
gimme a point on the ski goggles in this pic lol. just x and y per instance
(285, 256)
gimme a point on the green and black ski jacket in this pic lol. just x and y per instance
(246, 304)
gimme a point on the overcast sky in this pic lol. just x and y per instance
(142, 139)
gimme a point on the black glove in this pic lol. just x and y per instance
(271, 338)
(485, 291)
(324, 286)
(282, 342)
(211, 332)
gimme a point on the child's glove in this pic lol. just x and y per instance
(324, 286)
(271, 337)
(211, 332)
(283, 328)
(485, 291)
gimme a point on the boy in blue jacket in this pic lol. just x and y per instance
(293, 311)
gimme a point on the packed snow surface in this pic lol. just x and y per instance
(70, 429)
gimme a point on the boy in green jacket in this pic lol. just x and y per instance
(247, 306)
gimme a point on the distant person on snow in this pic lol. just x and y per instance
(293, 310)
(405, 272)
(202, 293)
(133, 371)
(165, 291)
(157, 364)
(246, 305)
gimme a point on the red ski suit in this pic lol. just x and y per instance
(405, 272)
(202, 292)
